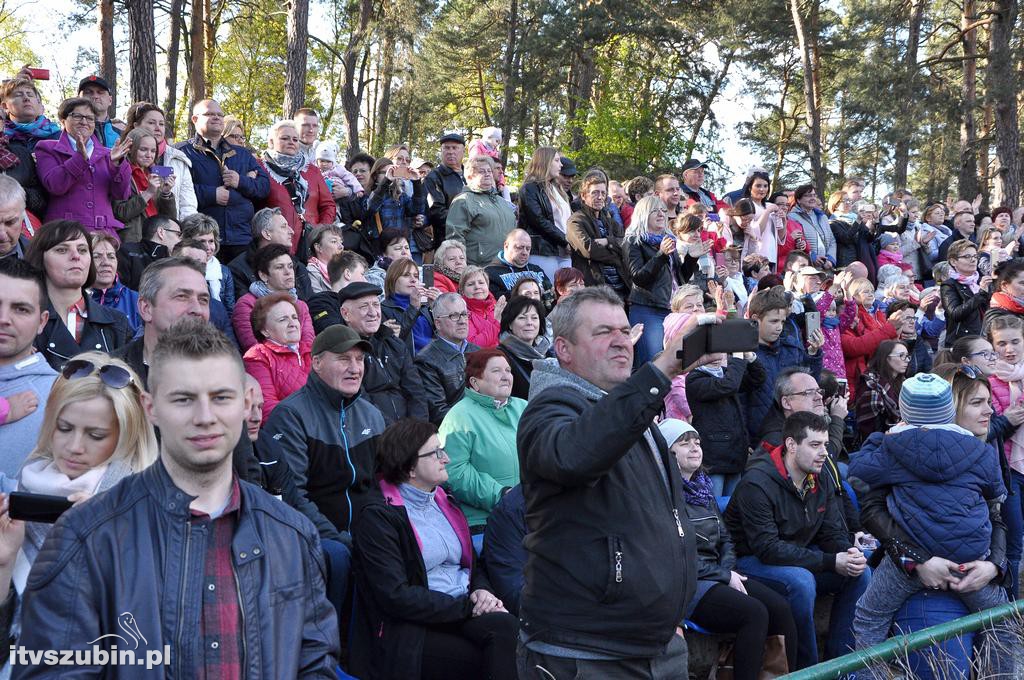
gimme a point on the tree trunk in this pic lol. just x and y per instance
(351, 92)
(171, 82)
(142, 50)
(197, 67)
(582, 88)
(705, 106)
(386, 78)
(967, 176)
(1001, 81)
(813, 113)
(907, 112)
(510, 73)
(295, 67)
(108, 58)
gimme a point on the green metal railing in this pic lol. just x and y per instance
(908, 643)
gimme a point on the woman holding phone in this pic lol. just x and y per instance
(151, 117)
(152, 188)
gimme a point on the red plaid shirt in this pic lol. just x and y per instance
(220, 627)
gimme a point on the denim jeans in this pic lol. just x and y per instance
(890, 587)
(1013, 515)
(339, 566)
(801, 587)
(653, 339)
(724, 485)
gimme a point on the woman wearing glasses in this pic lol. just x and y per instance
(81, 175)
(878, 393)
(965, 294)
(479, 433)
(94, 433)
(77, 323)
(426, 610)
(656, 271)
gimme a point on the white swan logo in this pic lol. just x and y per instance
(126, 622)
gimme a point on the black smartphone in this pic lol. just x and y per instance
(843, 386)
(732, 335)
(428, 275)
(37, 507)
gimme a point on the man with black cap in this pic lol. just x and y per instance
(445, 182)
(96, 90)
(391, 381)
(693, 187)
(566, 176)
(331, 465)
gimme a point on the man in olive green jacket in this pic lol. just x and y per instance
(480, 217)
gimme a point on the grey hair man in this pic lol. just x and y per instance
(12, 218)
(268, 226)
(442, 363)
(588, 451)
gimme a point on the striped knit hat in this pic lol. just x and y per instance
(927, 399)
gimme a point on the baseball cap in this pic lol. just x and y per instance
(339, 338)
(452, 136)
(93, 80)
(693, 163)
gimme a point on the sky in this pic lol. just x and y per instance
(59, 50)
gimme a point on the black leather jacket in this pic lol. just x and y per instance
(716, 557)
(443, 372)
(105, 330)
(653, 278)
(442, 186)
(133, 549)
(537, 218)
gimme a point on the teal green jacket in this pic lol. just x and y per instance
(481, 442)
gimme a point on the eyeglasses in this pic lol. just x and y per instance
(807, 393)
(968, 258)
(986, 354)
(440, 454)
(82, 118)
(456, 317)
(111, 375)
(172, 231)
(900, 357)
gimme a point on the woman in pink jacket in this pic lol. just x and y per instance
(281, 362)
(276, 274)
(80, 174)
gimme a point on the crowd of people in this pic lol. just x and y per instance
(400, 417)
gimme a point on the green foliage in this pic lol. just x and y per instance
(15, 51)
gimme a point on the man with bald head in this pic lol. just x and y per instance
(513, 264)
(227, 179)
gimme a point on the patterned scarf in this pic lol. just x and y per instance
(969, 281)
(40, 128)
(288, 171)
(450, 273)
(260, 289)
(698, 490)
(8, 159)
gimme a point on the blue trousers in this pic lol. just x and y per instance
(339, 566)
(1013, 515)
(653, 339)
(724, 485)
(801, 587)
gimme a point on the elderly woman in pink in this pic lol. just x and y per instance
(81, 175)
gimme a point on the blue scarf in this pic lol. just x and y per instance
(698, 491)
(40, 128)
(655, 239)
(830, 322)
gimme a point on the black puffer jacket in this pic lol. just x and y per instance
(964, 309)
(720, 418)
(133, 549)
(24, 173)
(655, 275)
(442, 185)
(537, 218)
(611, 553)
(105, 330)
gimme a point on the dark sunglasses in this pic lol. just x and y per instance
(111, 375)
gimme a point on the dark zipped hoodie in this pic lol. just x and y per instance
(612, 561)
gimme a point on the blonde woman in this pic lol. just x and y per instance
(544, 211)
(94, 433)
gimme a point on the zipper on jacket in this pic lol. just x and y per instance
(679, 525)
(181, 589)
(348, 459)
(618, 566)
(241, 610)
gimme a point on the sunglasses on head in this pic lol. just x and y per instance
(111, 375)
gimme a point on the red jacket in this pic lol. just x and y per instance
(241, 321)
(320, 207)
(484, 329)
(444, 284)
(860, 342)
(279, 370)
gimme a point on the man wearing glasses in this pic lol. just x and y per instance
(442, 363)
(227, 179)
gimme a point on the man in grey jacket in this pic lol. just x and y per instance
(611, 560)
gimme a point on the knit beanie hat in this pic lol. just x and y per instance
(672, 429)
(887, 239)
(927, 399)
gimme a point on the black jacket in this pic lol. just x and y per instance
(24, 173)
(590, 257)
(443, 374)
(132, 549)
(330, 444)
(391, 381)
(964, 309)
(654, 279)
(502, 277)
(537, 218)
(716, 557)
(720, 418)
(244, 275)
(610, 550)
(504, 553)
(522, 369)
(852, 242)
(105, 330)
(768, 519)
(442, 186)
(395, 605)
(133, 258)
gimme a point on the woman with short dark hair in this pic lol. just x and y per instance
(275, 273)
(425, 609)
(523, 340)
(878, 392)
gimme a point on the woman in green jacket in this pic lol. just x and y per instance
(479, 434)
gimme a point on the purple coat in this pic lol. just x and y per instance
(82, 190)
